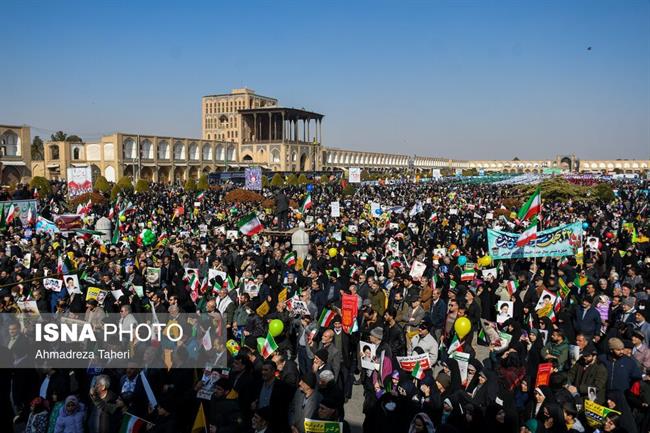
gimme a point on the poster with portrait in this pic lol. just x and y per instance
(253, 178)
(28, 308)
(52, 284)
(354, 175)
(335, 207)
(72, 284)
(153, 276)
(368, 354)
(545, 304)
(505, 311)
(592, 243)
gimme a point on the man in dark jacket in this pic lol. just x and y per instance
(587, 319)
(394, 334)
(588, 372)
(622, 370)
(438, 313)
(282, 209)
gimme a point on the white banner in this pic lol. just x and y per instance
(355, 175)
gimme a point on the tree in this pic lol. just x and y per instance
(349, 190)
(142, 185)
(324, 179)
(265, 182)
(59, 136)
(122, 185)
(604, 192)
(292, 180)
(37, 150)
(203, 184)
(42, 185)
(302, 179)
(73, 139)
(516, 158)
(102, 185)
(277, 181)
(190, 185)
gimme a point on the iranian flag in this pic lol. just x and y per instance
(434, 217)
(512, 286)
(418, 371)
(290, 258)
(30, 216)
(206, 341)
(532, 207)
(250, 224)
(306, 204)
(194, 283)
(201, 196)
(268, 347)
(228, 284)
(467, 275)
(11, 214)
(326, 317)
(394, 262)
(530, 234)
(132, 424)
(455, 346)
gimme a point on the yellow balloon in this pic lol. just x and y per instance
(122, 218)
(462, 327)
(485, 261)
(513, 215)
(333, 252)
(233, 347)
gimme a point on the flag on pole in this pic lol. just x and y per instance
(250, 224)
(269, 346)
(564, 289)
(206, 341)
(200, 196)
(467, 275)
(290, 258)
(455, 346)
(200, 425)
(132, 424)
(326, 317)
(2, 216)
(512, 286)
(482, 338)
(434, 217)
(418, 371)
(530, 234)
(228, 284)
(532, 207)
(307, 204)
(147, 390)
(11, 214)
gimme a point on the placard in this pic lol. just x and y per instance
(368, 354)
(314, 426)
(417, 269)
(335, 207)
(152, 275)
(80, 181)
(505, 311)
(72, 284)
(354, 175)
(407, 363)
(349, 307)
(554, 242)
(544, 371)
(53, 284)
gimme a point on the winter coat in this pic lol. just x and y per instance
(71, 422)
(594, 375)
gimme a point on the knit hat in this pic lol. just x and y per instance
(615, 344)
(377, 332)
(629, 301)
(322, 354)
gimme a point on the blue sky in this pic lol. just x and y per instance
(459, 79)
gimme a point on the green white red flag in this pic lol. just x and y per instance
(290, 258)
(250, 224)
(269, 346)
(529, 235)
(532, 207)
(418, 371)
(326, 317)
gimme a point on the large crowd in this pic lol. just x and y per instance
(593, 347)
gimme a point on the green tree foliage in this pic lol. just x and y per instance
(42, 185)
(59, 136)
(37, 150)
(277, 181)
(190, 185)
(470, 172)
(604, 192)
(349, 190)
(202, 184)
(102, 185)
(142, 185)
(292, 180)
(73, 139)
(302, 179)
(124, 184)
(265, 182)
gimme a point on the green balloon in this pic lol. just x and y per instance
(276, 327)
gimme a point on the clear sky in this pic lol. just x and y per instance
(461, 79)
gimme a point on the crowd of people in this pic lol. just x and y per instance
(593, 345)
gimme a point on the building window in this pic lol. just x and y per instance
(54, 152)
(75, 153)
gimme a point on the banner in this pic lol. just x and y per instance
(253, 178)
(349, 308)
(22, 208)
(80, 181)
(596, 413)
(336, 209)
(554, 242)
(354, 175)
(314, 426)
(407, 363)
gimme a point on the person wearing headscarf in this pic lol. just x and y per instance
(71, 416)
(421, 423)
(38, 416)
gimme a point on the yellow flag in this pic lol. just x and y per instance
(263, 309)
(200, 426)
(282, 296)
